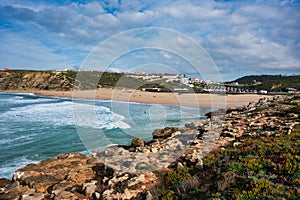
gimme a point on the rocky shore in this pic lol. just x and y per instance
(130, 172)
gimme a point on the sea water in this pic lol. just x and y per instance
(34, 127)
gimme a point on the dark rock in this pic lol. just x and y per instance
(60, 187)
(31, 167)
(217, 113)
(11, 192)
(40, 183)
(164, 133)
(71, 155)
(89, 188)
(227, 134)
(11, 195)
(4, 182)
(137, 142)
(37, 196)
(102, 171)
(201, 133)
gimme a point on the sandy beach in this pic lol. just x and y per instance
(187, 99)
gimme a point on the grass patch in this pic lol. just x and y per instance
(260, 168)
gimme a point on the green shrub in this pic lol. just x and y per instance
(175, 178)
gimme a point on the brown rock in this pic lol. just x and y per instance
(149, 196)
(69, 195)
(4, 182)
(41, 183)
(227, 134)
(20, 175)
(12, 195)
(101, 171)
(37, 196)
(11, 192)
(164, 133)
(137, 142)
(60, 187)
(90, 188)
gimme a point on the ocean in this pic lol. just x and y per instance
(33, 128)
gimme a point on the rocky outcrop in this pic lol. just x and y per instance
(122, 172)
(164, 133)
(74, 176)
(137, 142)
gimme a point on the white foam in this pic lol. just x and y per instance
(99, 117)
(57, 113)
(9, 141)
(8, 169)
(32, 101)
(19, 93)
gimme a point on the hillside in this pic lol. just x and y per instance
(67, 80)
(278, 83)
(62, 80)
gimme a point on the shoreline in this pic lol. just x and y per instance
(95, 178)
(137, 96)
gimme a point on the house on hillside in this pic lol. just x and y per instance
(257, 82)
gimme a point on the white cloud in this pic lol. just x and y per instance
(92, 9)
(192, 12)
(237, 34)
(29, 54)
(135, 19)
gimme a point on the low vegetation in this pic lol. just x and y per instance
(272, 83)
(259, 168)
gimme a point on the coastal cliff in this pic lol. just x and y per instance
(209, 167)
(36, 80)
(63, 80)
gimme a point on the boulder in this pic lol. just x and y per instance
(11, 192)
(227, 134)
(164, 133)
(90, 188)
(37, 196)
(102, 171)
(137, 142)
(4, 182)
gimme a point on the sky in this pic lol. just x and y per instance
(240, 37)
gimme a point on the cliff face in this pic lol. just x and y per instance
(36, 80)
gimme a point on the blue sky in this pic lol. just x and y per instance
(241, 37)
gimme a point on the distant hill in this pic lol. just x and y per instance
(267, 78)
(270, 82)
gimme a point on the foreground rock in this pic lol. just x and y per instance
(122, 172)
(74, 176)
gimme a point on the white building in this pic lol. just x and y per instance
(185, 81)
